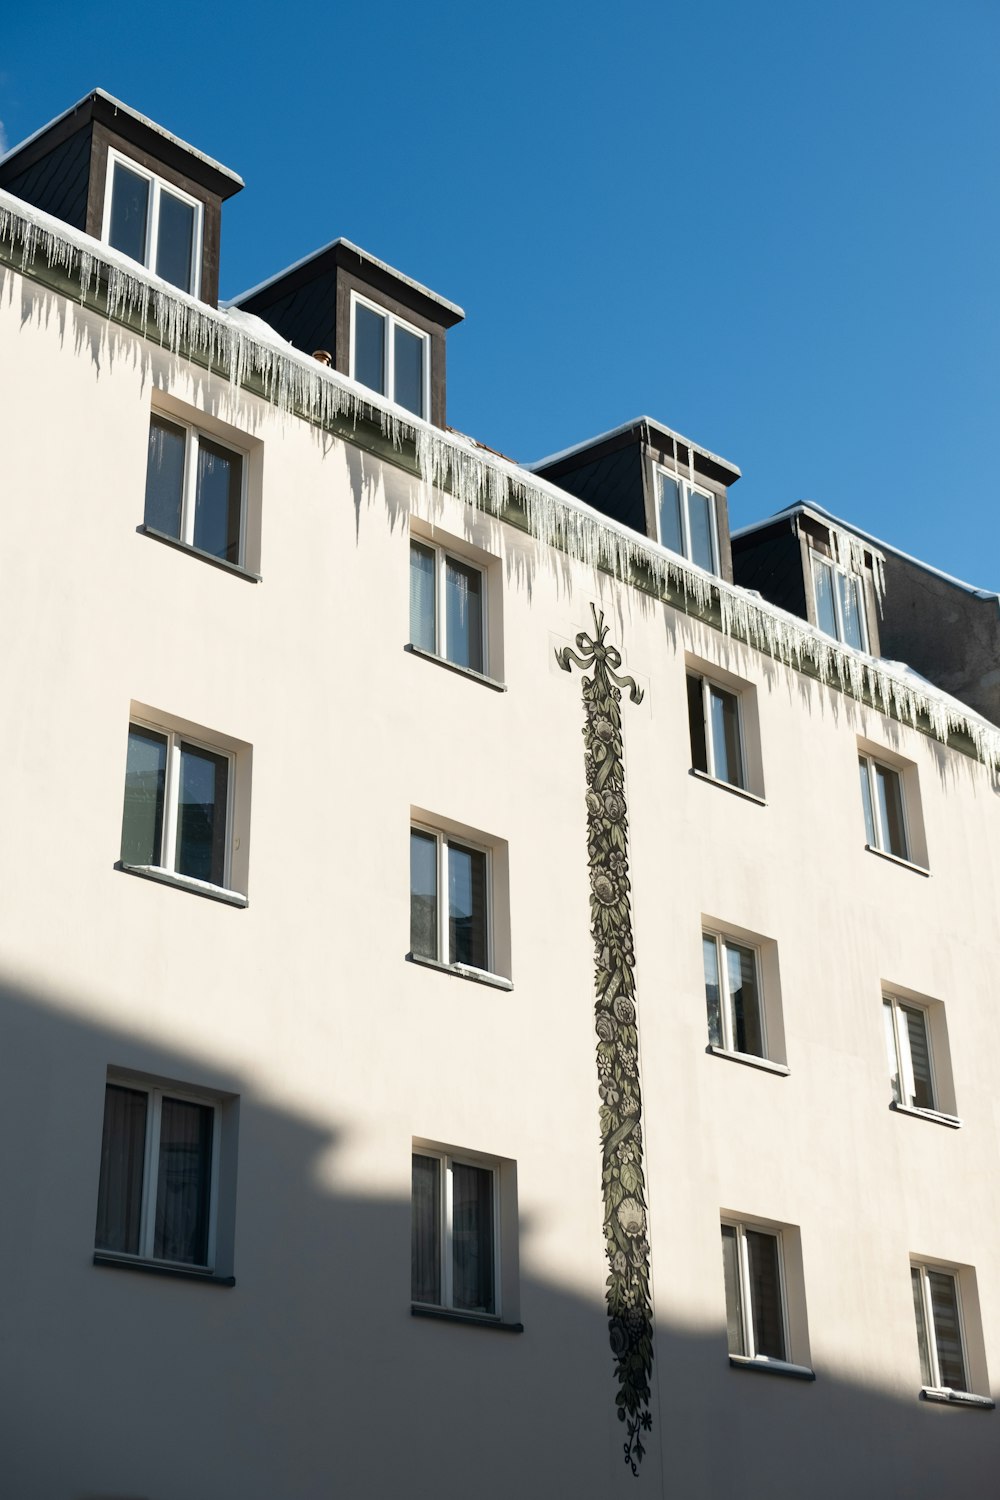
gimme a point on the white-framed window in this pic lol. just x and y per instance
(908, 1047)
(158, 1193)
(716, 725)
(884, 807)
(733, 995)
(840, 602)
(686, 519)
(756, 1314)
(937, 1307)
(448, 602)
(178, 813)
(455, 1232)
(196, 489)
(390, 356)
(153, 222)
(450, 899)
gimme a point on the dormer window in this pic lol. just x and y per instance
(390, 356)
(840, 602)
(686, 520)
(154, 223)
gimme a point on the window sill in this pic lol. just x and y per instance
(209, 557)
(934, 1115)
(185, 883)
(453, 666)
(894, 859)
(956, 1398)
(156, 1268)
(772, 1367)
(478, 1320)
(728, 786)
(749, 1059)
(463, 971)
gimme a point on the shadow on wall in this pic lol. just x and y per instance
(310, 1378)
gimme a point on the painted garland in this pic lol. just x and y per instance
(630, 1313)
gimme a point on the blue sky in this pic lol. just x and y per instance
(772, 226)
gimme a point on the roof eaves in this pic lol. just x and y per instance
(340, 241)
(633, 426)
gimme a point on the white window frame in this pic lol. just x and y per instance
(391, 321)
(150, 1169)
(923, 1267)
(171, 795)
(189, 494)
(881, 844)
(746, 1306)
(157, 185)
(442, 556)
(904, 1061)
(446, 1226)
(725, 1007)
(818, 558)
(686, 487)
(707, 684)
(442, 841)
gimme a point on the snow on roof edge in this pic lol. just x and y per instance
(554, 458)
(374, 260)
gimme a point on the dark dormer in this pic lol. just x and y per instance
(379, 327)
(807, 562)
(108, 171)
(659, 483)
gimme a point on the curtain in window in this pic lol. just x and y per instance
(145, 779)
(129, 212)
(165, 476)
(422, 598)
(710, 951)
(184, 1181)
(947, 1330)
(671, 528)
(175, 240)
(425, 1231)
(408, 369)
(369, 348)
(467, 906)
(920, 1061)
(826, 610)
(926, 1368)
(423, 894)
(201, 815)
(849, 588)
(765, 1294)
(726, 751)
(744, 1000)
(218, 501)
(123, 1148)
(700, 521)
(464, 615)
(890, 802)
(472, 1239)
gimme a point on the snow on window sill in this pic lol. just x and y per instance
(772, 1367)
(727, 786)
(895, 859)
(453, 666)
(750, 1060)
(935, 1115)
(949, 1397)
(185, 883)
(463, 971)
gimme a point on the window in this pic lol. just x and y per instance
(686, 520)
(159, 1171)
(153, 223)
(454, 1238)
(907, 1040)
(447, 606)
(938, 1312)
(195, 490)
(755, 1302)
(716, 731)
(882, 800)
(733, 996)
(449, 900)
(840, 608)
(179, 816)
(389, 356)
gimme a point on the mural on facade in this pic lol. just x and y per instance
(630, 1313)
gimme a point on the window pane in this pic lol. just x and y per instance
(710, 953)
(218, 501)
(849, 589)
(201, 815)
(467, 906)
(891, 1053)
(947, 1331)
(926, 1371)
(671, 530)
(463, 615)
(920, 1059)
(129, 212)
(123, 1149)
(175, 241)
(866, 802)
(165, 476)
(184, 1182)
(472, 1239)
(890, 803)
(425, 1231)
(145, 776)
(696, 724)
(725, 711)
(765, 1295)
(700, 520)
(422, 597)
(423, 894)
(826, 611)
(408, 369)
(741, 973)
(734, 1299)
(369, 347)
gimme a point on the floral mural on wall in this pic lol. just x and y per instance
(630, 1313)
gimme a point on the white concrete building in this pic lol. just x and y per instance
(406, 1092)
